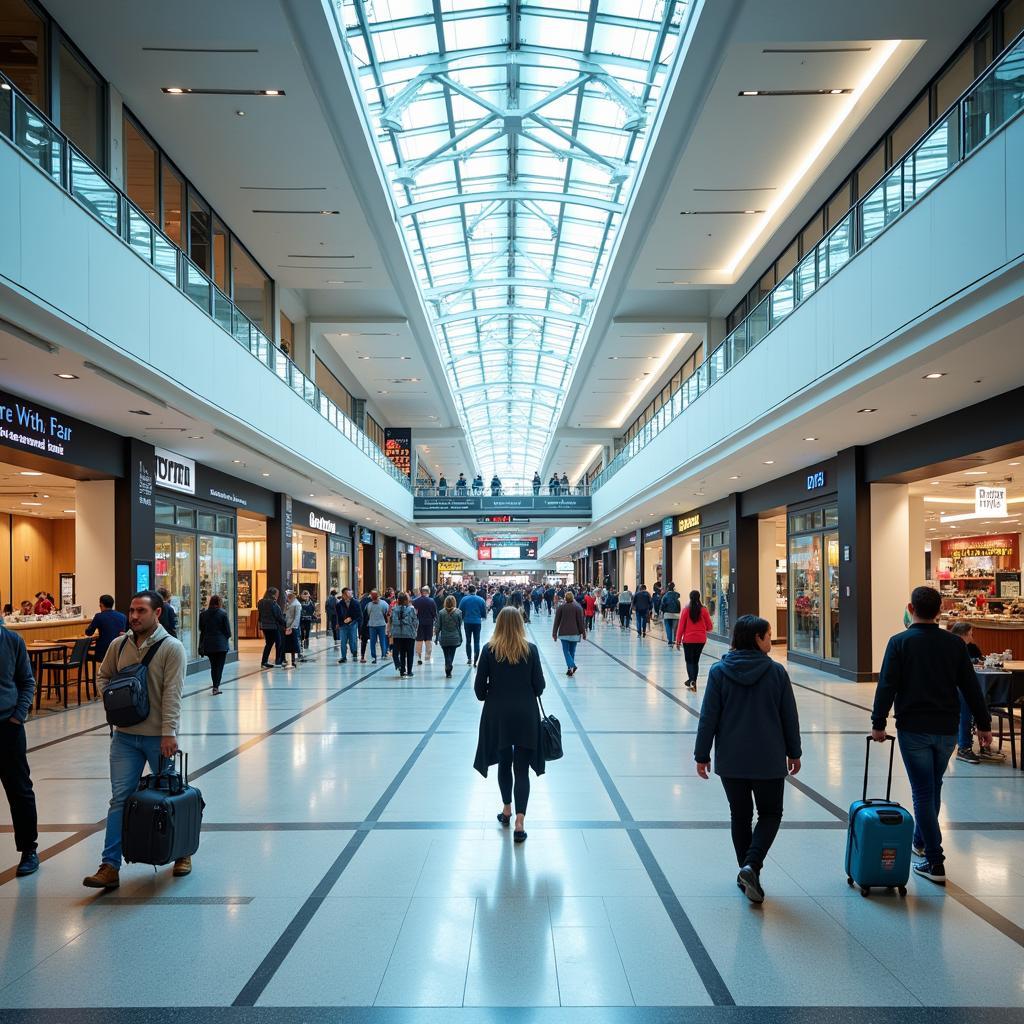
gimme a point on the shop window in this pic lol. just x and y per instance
(185, 516)
(251, 288)
(225, 524)
(910, 129)
(164, 512)
(715, 586)
(871, 170)
(1012, 21)
(813, 568)
(838, 206)
(23, 50)
(831, 515)
(811, 235)
(220, 255)
(173, 197)
(207, 521)
(982, 45)
(81, 106)
(199, 242)
(175, 567)
(141, 163)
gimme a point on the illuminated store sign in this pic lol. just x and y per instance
(174, 472)
(691, 521)
(451, 566)
(989, 503)
(816, 480)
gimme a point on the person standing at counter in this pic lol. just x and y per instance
(16, 688)
(965, 736)
(108, 623)
(923, 670)
(43, 605)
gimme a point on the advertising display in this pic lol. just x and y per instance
(453, 566)
(492, 548)
(398, 448)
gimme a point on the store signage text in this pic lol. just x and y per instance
(318, 522)
(652, 533)
(668, 526)
(175, 472)
(398, 448)
(145, 489)
(981, 547)
(688, 522)
(25, 426)
(365, 536)
(991, 501)
(816, 480)
(452, 566)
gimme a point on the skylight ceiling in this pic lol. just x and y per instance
(511, 133)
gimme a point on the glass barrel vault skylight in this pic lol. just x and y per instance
(511, 133)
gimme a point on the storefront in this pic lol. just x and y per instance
(627, 560)
(321, 553)
(813, 573)
(58, 486)
(652, 567)
(682, 547)
(715, 564)
(609, 562)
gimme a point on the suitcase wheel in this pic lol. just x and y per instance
(849, 880)
(903, 890)
(865, 889)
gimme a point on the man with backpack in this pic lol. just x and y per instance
(671, 604)
(151, 740)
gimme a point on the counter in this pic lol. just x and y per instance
(994, 634)
(51, 629)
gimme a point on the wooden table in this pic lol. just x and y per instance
(37, 651)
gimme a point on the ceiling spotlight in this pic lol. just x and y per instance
(5, 87)
(867, 410)
(810, 439)
(1014, 463)
(750, 92)
(364, 357)
(195, 437)
(264, 474)
(935, 483)
(174, 90)
(67, 376)
(736, 477)
(37, 504)
(30, 472)
(932, 376)
(69, 511)
(769, 462)
(240, 113)
(273, 92)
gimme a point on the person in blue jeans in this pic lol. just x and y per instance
(376, 614)
(348, 617)
(474, 610)
(925, 671)
(965, 735)
(570, 627)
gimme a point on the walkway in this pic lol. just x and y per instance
(351, 858)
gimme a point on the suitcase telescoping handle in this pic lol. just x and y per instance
(867, 757)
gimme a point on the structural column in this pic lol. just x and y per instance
(855, 550)
(135, 520)
(279, 544)
(744, 598)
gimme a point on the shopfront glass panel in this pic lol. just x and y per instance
(805, 594)
(339, 571)
(715, 586)
(832, 606)
(175, 568)
(217, 572)
(81, 106)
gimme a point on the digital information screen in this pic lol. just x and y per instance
(506, 548)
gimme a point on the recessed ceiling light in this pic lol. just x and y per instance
(736, 477)
(69, 511)
(810, 439)
(381, 392)
(30, 472)
(5, 87)
(237, 462)
(240, 113)
(195, 437)
(975, 472)
(933, 376)
(264, 474)
(272, 92)
(173, 90)
(364, 357)
(1014, 463)
(867, 410)
(749, 92)
(37, 504)
(312, 495)
(67, 376)
(769, 462)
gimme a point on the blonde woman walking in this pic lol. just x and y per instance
(509, 679)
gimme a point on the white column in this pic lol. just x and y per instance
(915, 518)
(94, 543)
(767, 552)
(891, 580)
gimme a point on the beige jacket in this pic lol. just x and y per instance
(166, 678)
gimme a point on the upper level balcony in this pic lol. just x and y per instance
(496, 503)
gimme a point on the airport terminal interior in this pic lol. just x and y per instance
(511, 511)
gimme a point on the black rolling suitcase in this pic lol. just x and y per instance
(162, 818)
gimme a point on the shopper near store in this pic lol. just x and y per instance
(474, 611)
(549, 599)
(43, 605)
(426, 613)
(271, 619)
(349, 619)
(749, 715)
(569, 627)
(671, 607)
(169, 614)
(108, 624)
(215, 638)
(924, 672)
(448, 632)
(403, 627)
(565, 488)
(553, 484)
(461, 485)
(536, 482)
(442, 486)
(17, 686)
(589, 609)
(642, 605)
(376, 616)
(292, 628)
(308, 618)
(509, 681)
(625, 607)
(692, 634)
(498, 601)
(610, 603)
(478, 484)
(965, 734)
(331, 610)
(153, 741)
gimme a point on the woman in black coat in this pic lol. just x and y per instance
(215, 637)
(509, 680)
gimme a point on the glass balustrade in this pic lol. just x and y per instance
(48, 148)
(984, 109)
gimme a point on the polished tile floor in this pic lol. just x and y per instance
(351, 866)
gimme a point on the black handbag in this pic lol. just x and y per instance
(126, 696)
(550, 735)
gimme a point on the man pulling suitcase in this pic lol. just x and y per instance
(154, 661)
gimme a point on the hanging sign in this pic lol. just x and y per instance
(989, 503)
(398, 448)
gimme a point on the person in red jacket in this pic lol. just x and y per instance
(589, 609)
(692, 634)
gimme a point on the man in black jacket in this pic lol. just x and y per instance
(350, 618)
(923, 669)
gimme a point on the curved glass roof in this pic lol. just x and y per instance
(511, 133)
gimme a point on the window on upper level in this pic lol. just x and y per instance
(870, 171)
(1012, 21)
(252, 290)
(839, 205)
(82, 100)
(173, 203)
(199, 240)
(23, 50)
(140, 169)
(911, 127)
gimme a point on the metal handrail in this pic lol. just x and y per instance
(454, 490)
(956, 134)
(61, 162)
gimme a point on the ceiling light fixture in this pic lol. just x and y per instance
(933, 376)
(264, 474)
(237, 462)
(810, 439)
(769, 462)
(37, 504)
(67, 376)
(30, 472)
(240, 113)
(69, 511)
(867, 410)
(736, 477)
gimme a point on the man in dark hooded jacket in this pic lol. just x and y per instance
(749, 713)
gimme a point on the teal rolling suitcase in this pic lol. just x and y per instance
(880, 837)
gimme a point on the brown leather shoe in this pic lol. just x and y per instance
(106, 877)
(182, 866)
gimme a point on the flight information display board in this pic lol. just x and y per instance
(495, 548)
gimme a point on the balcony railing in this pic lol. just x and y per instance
(456, 490)
(49, 150)
(984, 109)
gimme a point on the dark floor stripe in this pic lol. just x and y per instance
(986, 913)
(832, 696)
(695, 948)
(270, 964)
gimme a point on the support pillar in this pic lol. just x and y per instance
(856, 600)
